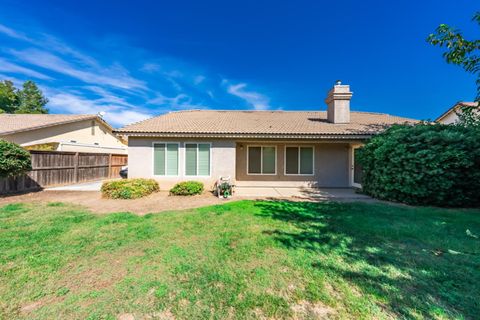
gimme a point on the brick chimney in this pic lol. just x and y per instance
(338, 102)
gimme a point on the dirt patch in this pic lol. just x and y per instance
(308, 310)
(26, 309)
(157, 202)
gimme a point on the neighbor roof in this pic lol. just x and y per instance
(455, 107)
(259, 123)
(14, 123)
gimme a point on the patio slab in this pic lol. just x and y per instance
(302, 193)
(87, 186)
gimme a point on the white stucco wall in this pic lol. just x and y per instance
(80, 131)
(140, 161)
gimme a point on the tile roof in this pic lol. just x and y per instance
(260, 123)
(13, 123)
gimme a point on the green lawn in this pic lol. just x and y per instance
(240, 260)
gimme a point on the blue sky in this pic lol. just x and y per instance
(138, 59)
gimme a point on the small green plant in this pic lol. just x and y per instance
(14, 160)
(129, 188)
(187, 188)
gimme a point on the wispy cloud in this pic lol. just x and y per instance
(136, 85)
(7, 66)
(150, 67)
(178, 102)
(198, 79)
(14, 34)
(116, 115)
(115, 76)
(254, 99)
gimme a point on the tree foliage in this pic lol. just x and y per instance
(8, 97)
(14, 160)
(28, 99)
(460, 51)
(424, 164)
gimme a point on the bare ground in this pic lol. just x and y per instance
(157, 202)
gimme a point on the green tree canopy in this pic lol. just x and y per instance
(8, 97)
(29, 99)
(460, 51)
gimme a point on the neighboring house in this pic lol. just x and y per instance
(450, 116)
(61, 132)
(256, 148)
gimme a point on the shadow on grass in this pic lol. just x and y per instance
(397, 255)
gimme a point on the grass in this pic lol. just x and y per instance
(240, 260)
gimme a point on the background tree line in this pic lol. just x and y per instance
(28, 99)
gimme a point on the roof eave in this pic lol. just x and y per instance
(325, 136)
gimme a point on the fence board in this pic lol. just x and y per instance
(54, 168)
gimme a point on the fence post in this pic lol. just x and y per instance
(110, 165)
(75, 167)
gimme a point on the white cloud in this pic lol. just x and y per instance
(14, 34)
(115, 115)
(7, 66)
(150, 67)
(179, 102)
(198, 79)
(257, 100)
(115, 77)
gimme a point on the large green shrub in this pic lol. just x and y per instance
(129, 188)
(14, 160)
(424, 164)
(187, 188)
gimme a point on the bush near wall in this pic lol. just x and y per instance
(129, 188)
(187, 188)
(424, 164)
(14, 160)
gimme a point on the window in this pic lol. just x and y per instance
(165, 159)
(197, 159)
(299, 160)
(261, 160)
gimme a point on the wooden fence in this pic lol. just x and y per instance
(55, 168)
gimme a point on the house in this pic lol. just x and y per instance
(256, 148)
(61, 132)
(451, 116)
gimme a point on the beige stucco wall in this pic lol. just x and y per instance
(81, 132)
(140, 161)
(449, 118)
(332, 168)
(331, 165)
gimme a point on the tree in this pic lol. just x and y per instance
(460, 51)
(8, 97)
(31, 99)
(14, 160)
(465, 53)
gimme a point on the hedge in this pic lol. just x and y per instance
(14, 160)
(424, 164)
(129, 188)
(187, 188)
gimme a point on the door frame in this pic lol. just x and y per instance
(352, 167)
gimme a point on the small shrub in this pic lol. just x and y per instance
(129, 188)
(424, 164)
(14, 160)
(187, 188)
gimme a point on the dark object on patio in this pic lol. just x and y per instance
(124, 172)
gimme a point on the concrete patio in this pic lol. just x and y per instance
(300, 192)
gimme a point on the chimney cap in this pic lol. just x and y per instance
(338, 82)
